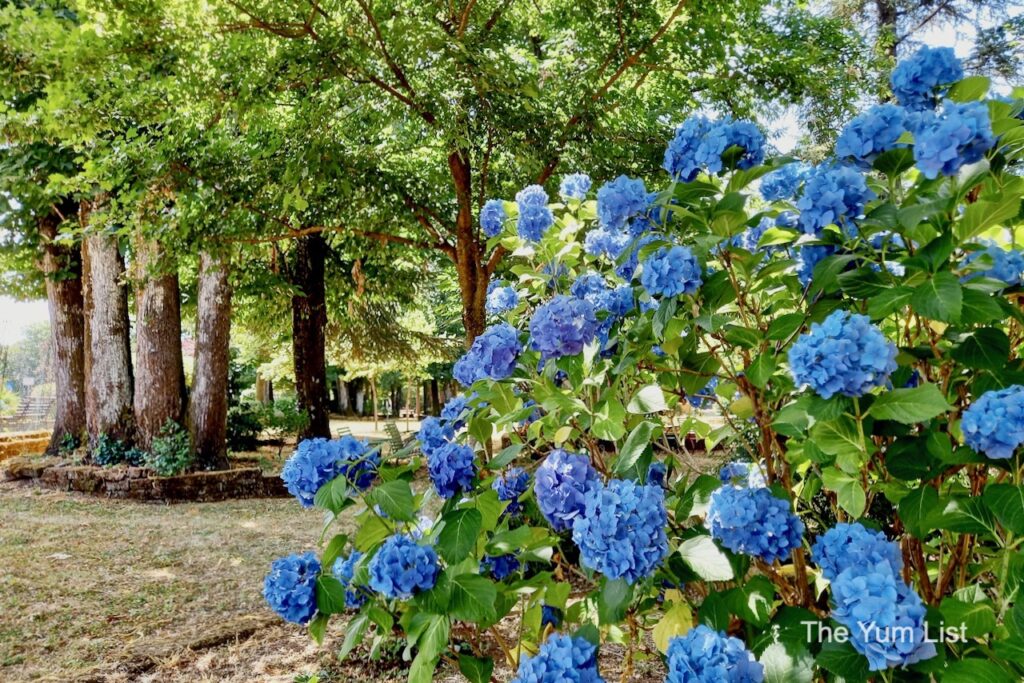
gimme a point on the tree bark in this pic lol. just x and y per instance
(435, 397)
(262, 390)
(888, 20)
(159, 373)
(309, 318)
(208, 406)
(62, 266)
(469, 251)
(108, 363)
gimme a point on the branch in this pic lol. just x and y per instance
(382, 237)
(938, 8)
(395, 69)
(465, 17)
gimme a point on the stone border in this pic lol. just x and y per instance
(139, 483)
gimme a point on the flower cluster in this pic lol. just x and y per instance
(317, 461)
(344, 569)
(1007, 264)
(500, 298)
(499, 566)
(698, 399)
(945, 141)
(621, 532)
(845, 355)
(742, 474)
(807, 257)
(994, 424)
(511, 484)
(434, 433)
(562, 326)
(492, 356)
(752, 521)
(832, 195)
(574, 186)
(452, 468)
(593, 288)
(620, 200)
(290, 587)
(656, 473)
(885, 617)
(870, 134)
(559, 486)
(671, 271)
(492, 217)
(605, 242)
(749, 238)
(702, 144)
(561, 659)
(534, 215)
(846, 545)
(704, 655)
(550, 615)
(402, 567)
(454, 410)
(783, 182)
(918, 82)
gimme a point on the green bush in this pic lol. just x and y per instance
(245, 424)
(170, 453)
(110, 451)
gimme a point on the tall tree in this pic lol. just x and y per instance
(309, 320)
(208, 403)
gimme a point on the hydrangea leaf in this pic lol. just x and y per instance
(372, 530)
(636, 443)
(974, 670)
(472, 598)
(843, 661)
(985, 349)
(939, 298)
(761, 369)
(982, 215)
(649, 399)
(1006, 501)
(967, 515)
(459, 535)
(848, 489)
(970, 89)
(787, 663)
(704, 557)
(609, 420)
(978, 617)
(394, 498)
(476, 669)
(909, 406)
(353, 635)
(317, 627)
(676, 621)
(613, 600)
(918, 510)
(334, 549)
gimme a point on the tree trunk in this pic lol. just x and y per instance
(469, 252)
(108, 360)
(888, 27)
(309, 317)
(159, 373)
(208, 407)
(62, 266)
(435, 397)
(373, 394)
(262, 390)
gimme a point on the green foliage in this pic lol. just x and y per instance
(170, 453)
(109, 451)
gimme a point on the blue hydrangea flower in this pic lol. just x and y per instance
(671, 271)
(918, 82)
(402, 567)
(451, 468)
(290, 587)
(887, 240)
(499, 566)
(994, 424)
(492, 356)
(787, 219)
(754, 522)
(870, 134)
(434, 433)
(317, 461)
(492, 217)
(601, 241)
(1007, 264)
(832, 195)
(454, 410)
(620, 200)
(749, 238)
(344, 569)
(560, 484)
(704, 395)
(500, 298)
(681, 153)
(563, 326)
(656, 474)
(958, 135)
(704, 655)
(534, 215)
(592, 287)
(561, 659)
(807, 257)
(845, 355)
(574, 186)
(621, 531)
(783, 182)
(742, 474)
(550, 614)
(849, 545)
(626, 267)
(885, 617)
(511, 484)
(723, 136)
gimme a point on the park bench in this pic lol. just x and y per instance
(399, 445)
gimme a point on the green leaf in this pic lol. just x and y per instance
(353, 635)
(985, 349)
(372, 531)
(838, 437)
(939, 298)
(613, 600)
(333, 550)
(459, 535)
(787, 663)
(842, 660)
(636, 443)
(476, 669)
(909, 406)
(1006, 501)
(330, 595)
(970, 89)
(888, 302)
(706, 559)
(976, 671)
(761, 369)
(753, 601)
(918, 510)
(433, 640)
(609, 421)
(333, 496)
(966, 515)
(982, 215)
(675, 622)
(422, 668)
(848, 489)
(473, 598)
(395, 499)
(317, 628)
(978, 617)
(650, 399)
(504, 456)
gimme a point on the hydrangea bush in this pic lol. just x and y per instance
(842, 343)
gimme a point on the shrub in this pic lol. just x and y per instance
(170, 453)
(109, 451)
(245, 424)
(860, 337)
